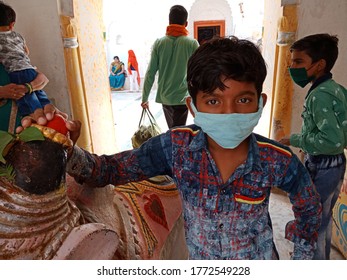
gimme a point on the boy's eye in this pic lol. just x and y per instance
(244, 100)
(212, 102)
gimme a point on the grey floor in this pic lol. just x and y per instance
(127, 113)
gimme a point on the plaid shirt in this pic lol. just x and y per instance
(222, 220)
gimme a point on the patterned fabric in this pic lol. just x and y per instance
(324, 128)
(12, 52)
(222, 220)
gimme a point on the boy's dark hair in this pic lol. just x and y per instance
(232, 58)
(319, 46)
(178, 15)
(7, 14)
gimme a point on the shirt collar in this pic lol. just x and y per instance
(320, 80)
(253, 158)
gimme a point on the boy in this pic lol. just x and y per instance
(323, 132)
(223, 171)
(14, 57)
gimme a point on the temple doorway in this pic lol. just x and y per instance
(208, 29)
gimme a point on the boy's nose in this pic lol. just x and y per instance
(228, 109)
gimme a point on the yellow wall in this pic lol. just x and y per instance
(90, 28)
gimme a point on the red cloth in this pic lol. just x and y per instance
(132, 61)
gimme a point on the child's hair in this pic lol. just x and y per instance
(178, 15)
(7, 14)
(225, 58)
(115, 57)
(319, 46)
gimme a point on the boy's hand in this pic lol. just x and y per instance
(74, 128)
(42, 116)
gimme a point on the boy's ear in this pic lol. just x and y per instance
(11, 26)
(264, 96)
(322, 64)
(188, 102)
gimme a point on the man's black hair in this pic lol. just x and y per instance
(7, 14)
(225, 58)
(178, 15)
(319, 46)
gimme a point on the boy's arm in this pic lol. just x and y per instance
(150, 74)
(133, 165)
(327, 136)
(307, 210)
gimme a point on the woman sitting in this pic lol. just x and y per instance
(117, 75)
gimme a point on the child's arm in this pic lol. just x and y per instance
(307, 209)
(26, 49)
(134, 165)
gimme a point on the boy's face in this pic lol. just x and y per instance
(238, 97)
(300, 59)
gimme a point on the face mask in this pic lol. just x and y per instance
(227, 130)
(299, 76)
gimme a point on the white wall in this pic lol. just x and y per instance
(135, 24)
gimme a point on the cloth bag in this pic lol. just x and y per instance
(144, 132)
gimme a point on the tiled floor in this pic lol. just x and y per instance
(127, 113)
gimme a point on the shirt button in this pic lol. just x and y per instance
(221, 226)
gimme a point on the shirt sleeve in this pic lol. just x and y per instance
(302, 231)
(152, 69)
(322, 133)
(121, 168)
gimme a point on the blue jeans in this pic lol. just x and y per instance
(29, 102)
(327, 174)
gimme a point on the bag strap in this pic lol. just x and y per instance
(152, 119)
(142, 119)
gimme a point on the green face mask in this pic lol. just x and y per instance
(299, 76)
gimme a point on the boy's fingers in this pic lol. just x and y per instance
(39, 117)
(75, 129)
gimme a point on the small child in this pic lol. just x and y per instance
(14, 57)
(324, 129)
(223, 171)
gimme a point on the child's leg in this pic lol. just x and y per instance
(28, 104)
(42, 97)
(30, 101)
(327, 173)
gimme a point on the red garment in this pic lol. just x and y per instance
(176, 30)
(132, 61)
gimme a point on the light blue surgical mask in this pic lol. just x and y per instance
(228, 130)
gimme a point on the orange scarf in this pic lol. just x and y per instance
(176, 30)
(132, 61)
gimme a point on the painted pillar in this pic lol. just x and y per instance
(78, 102)
(283, 88)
